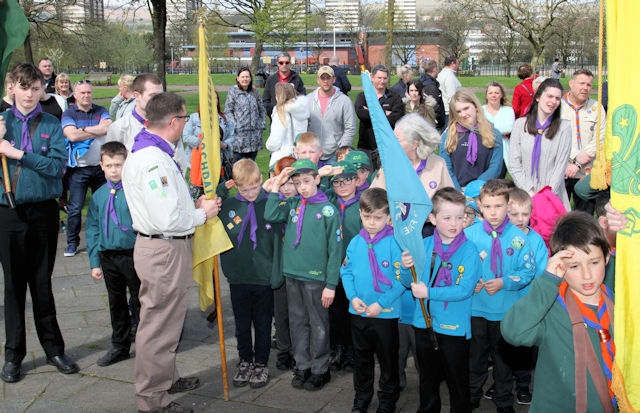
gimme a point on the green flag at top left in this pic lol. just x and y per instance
(14, 28)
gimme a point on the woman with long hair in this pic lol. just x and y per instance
(245, 111)
(500, 114)
(64, 89)
(471, 146)
(420, 103)
(541, 143)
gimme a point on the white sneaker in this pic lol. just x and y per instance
(245, 372)
(260, 376)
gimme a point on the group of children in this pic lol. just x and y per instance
(316, 244)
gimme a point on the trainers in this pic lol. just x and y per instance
(260, 376)
(184, 384)
(317, 381)
(523, 396)
(243, 375)
(71, 250)
(300, 377)
(172, 407)
(490, 393)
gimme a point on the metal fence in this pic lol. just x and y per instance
(543, 70)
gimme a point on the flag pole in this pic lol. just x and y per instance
(223, 351)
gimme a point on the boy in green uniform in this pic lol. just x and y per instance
(110, 241)
(361, 162)
(312, 253)
(247, 267)
(568, 314)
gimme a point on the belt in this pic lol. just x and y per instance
(166, 237)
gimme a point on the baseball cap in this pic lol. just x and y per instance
(303, 166)
(472, 191)
(326, 70)
(348, 170)
(358, 159)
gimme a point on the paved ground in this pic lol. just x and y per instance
(84, 318)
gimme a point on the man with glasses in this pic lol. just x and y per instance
(85, 126)
(285, 75)
(164, 217)
(332, 118)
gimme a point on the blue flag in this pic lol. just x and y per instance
(409, 203)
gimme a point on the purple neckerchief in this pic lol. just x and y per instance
(345, 204)
(537, 147)
(364, 186)
(111, 209)
(443, 274)
(421, 166)
(378, 276)
(139, 118)
(25, 140)
(318, 198)
(496, 247)
(250, 218)
(144, 139)
(472, 149)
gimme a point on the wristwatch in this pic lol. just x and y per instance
(575, 162)
(83, 129)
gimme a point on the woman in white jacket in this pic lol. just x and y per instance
(290, 117)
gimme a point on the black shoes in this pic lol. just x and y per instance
(64, 364)
(337, 358)
(172, 407)
(317, 381)
(113, 356)
(360, 406)
(285, 362)
(10, 372)
(184, 384)
(300, 377)
(523, 396)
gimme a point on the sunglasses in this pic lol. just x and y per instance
(284, 63)
(81, 82)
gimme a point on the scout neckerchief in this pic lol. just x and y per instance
(576, 109)
(111, 209)
(421, 166)
(472, 149)
(537, 146)
(364, 186)
(250, 218)
(346, 204)
(138, 117)
(25, 140)
(144, 139)
(378, 276)
(602, 322)
(443, 274)
(318, 198)
(496, 247)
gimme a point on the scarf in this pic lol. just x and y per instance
(378, 276)
(599, 321)
(576, 109)
(144, 139)
(318, 198)
(364, 186)
(345, 204)
(249, 219)
(537, 147)
(25, 140)
(421, 166)
(472, 149)
(496, 247)
(139, 118)
(111, 209)
(443, 274)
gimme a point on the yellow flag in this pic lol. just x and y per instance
(210, 239)
(623, 149)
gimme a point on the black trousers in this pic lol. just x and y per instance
(375, 337)
(120, 274)
(449, 363)
(28, 242)
(339, 321)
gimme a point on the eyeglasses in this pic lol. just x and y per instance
(342, 182)
(284, 63)
(183, 117)
(81, 82)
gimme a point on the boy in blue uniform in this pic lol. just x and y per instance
(110, 241)
(448, 284)
(370, 276)
(311, 256)
(508, 265)
(248, 268)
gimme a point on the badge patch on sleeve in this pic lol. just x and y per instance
(164, 181)
(153, 184)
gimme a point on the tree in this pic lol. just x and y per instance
(391, 12)
(575, 35)
(502, 43)
(455, 25)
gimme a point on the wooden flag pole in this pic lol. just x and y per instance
(223, 352)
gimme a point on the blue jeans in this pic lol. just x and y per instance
(80, 180)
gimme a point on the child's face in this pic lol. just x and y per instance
(250, 191)
(585, 273)
(519, 215)
(308, 152)
(288, 189)
(494, 209)
(375, 221)
(363, 174)
(469, 217)
(448, 221)
(306, 184)
(345, 187)
(112, 167)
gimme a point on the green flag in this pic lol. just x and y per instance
(14, 28)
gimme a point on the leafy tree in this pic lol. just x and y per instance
(503, 44)
(455, 25)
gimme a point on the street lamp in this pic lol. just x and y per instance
(171, 45)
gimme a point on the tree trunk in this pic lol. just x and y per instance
(28, 50)
(391, 5)
(159, 21)
(257, 55)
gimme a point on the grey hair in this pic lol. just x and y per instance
(405, 69)
(417, 129)
(379, 68)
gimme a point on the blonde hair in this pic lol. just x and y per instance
(485, 128)
(59, 78)
(284, 93)
(246, 172)
(126, 80)
(307, 138)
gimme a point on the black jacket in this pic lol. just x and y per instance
(342, 82)
(269, 95)
(389, 101)
(432, 88)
